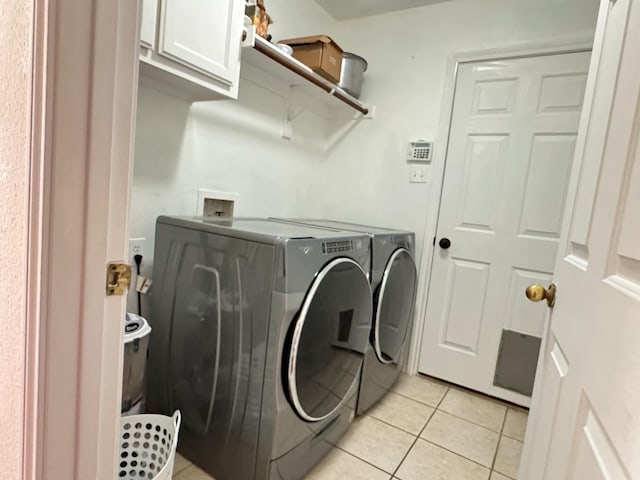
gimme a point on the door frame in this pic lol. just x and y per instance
(568, 45)
(84, 83)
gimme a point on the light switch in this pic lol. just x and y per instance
(418, 173)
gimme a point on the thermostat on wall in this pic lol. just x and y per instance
(420, 151)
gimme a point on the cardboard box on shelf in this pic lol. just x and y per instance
(320, 53)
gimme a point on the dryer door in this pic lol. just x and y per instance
(328, 340)
(394, 306)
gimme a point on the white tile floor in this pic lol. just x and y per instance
(423, 429)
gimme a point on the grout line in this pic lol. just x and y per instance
(394, 426)
(195, 469)
(176, 472)
(431, 379)
(404, 457)
(500, 473)
(457, 454)
(435, 409)
(495, 455)
(512, 438)
(450, 451)
(361, 459)
(491, 398)
(399, 428)
(470, 421)
(483, 396)
(418, 436)
(448, 387)
(464, 419)
(418, 401)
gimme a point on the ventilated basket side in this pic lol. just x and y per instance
(148, 446)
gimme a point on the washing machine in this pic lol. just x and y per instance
(260, 334)
(393, 278)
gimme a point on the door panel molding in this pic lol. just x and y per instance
(463, 333)
(591, 140)
(556, 370)
(540, 165)
(593, 450)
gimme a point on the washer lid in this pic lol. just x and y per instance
(394, 306)
(328, 340)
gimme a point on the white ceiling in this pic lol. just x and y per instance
(347, 9)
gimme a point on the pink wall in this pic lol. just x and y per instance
(15, 116)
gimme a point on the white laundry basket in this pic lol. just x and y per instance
(148, 446)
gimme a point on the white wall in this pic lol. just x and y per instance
(236, 146)
(223, 146)
(15, 129)
(228, 146)
(298, 18)
(407, 53)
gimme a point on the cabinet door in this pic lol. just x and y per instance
(204, 35)
(149, 22)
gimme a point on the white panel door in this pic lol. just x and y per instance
(585, 420)
(204, 35)
(511, 146)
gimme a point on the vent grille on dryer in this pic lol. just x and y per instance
(339, 246)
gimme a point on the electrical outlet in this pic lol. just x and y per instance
(136, 247)
(418, 174)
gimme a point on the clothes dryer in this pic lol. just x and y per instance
(260, 333)
(393, 278)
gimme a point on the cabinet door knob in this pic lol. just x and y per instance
(444, 243)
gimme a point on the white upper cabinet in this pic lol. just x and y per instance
(204, 35)
(193, 47)
(149, 22)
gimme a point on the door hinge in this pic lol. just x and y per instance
(118, 278)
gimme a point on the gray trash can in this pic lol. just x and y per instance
(136, 345)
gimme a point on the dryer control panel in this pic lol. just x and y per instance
(337, 246)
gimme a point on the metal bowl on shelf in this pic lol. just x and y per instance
(284, 48)
(352, 73)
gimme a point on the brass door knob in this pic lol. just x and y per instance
(537, 293)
